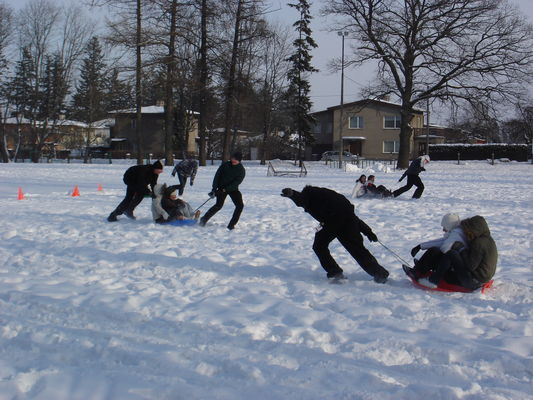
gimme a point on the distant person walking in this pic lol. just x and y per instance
(137, 179)
(185, 169)
(226, 183)
(415, 168)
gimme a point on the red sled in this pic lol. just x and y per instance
(444, 286)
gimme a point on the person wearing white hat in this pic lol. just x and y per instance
(413, 178)
(453, 233)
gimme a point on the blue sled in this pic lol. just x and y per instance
(182, 222)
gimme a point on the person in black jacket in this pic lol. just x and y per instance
(415, 168)
(137, 179)
(226, 183)
(338, 221)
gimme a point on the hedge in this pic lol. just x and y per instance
(517, 152)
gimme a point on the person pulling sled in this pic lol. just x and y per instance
(413, 179)
(337, 221)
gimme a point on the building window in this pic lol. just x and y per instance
(392, 121)
(133, 123)
(356, 122)
(391, 146)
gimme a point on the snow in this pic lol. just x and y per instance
(131, 310)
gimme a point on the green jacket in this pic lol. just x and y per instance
(481, 256)
(228, 177)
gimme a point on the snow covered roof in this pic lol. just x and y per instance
(365, 102)
(104, 123)
(147, 110)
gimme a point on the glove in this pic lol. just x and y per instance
(415, 250)
(372, 237)
(211, 194)
(191, 183)
(173, 174)
(422, 168)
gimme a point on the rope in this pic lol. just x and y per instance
(201, 205)
(395, 255)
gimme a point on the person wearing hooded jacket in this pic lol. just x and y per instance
(226, 182)
(137, 180)
(166, 206)
(185, 169)
(436, 248)
(475, 265)
(413, 178)
(338, 221)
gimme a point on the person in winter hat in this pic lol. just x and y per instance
(337, 221)
(137, 180)
(436, 248)
(474, 265)
(413, 178)
(185, 169)
(226, 182)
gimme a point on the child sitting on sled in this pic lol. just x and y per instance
(466, 256)
(376, 191)
(166, 207)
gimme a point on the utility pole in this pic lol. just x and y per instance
(427, 127)
(341, 149)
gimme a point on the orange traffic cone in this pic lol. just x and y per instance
(21, 195)
(100, 187)
(76, 191)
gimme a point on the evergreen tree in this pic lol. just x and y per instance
(21, 88)
(299, 87)
(53, 89)
(119, 93)
(88, 103)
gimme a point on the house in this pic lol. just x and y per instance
(62, 135)
(370, 129)
(123, 133)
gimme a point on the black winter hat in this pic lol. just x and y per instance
(237, 156)
(157, 165)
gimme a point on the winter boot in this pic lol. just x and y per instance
(112, 217)
(129, 214)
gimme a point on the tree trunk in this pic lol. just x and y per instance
(138, 87)
(169, 89)
(405, 137)
(231, 86)
(203, 84)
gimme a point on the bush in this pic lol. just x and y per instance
(517, 152)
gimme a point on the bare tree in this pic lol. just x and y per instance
(442, 49)
(274, 69)
(6, 28)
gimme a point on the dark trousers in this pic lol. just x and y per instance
(236, 197)
(351, 239)
(133, 198)
(412, 180)
(183, 182)
(453, 269)
(428, 262)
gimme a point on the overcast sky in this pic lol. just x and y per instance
(325, 90)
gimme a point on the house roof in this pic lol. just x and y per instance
(365, 102)
(147, 110)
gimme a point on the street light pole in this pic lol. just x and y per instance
(341, 149)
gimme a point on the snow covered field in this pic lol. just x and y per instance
(131, 310)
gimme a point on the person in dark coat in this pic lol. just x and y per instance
(376, 191)
(226, 183)
(137, 179)
(473, 266)
(413, 179)
(174, 208)
(338, 221)
(185, 169)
